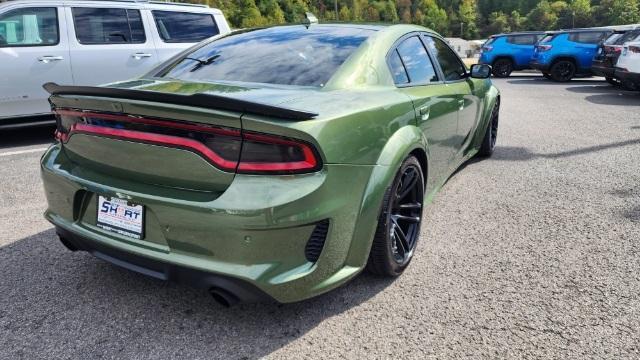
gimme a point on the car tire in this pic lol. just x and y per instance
(563, 71)
(491, 135)
(502, 68)
(398, 228)
(628, 85)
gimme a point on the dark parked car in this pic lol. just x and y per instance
(608, 53)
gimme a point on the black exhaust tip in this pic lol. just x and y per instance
(223, 297)
(68, 244)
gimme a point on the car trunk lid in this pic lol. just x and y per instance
(166, 134)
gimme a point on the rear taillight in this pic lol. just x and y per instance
(612, 49)
(634, 49)
(543, 48)
(226, 148)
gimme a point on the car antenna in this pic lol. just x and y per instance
(309, 19)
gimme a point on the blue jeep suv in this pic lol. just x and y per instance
(509, 52)
(561, 55)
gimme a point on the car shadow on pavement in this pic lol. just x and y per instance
(517, 153)
(619, 99)
(27, 136)
(76, 306)
(539, 80)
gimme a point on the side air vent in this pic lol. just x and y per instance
(316, 241)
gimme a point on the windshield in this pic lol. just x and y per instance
(287, 55)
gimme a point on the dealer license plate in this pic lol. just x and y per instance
(121, 217)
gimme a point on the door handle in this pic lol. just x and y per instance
(425, 111)
(139, 56)
(48, 58)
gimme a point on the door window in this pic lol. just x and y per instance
(523, 39)
(29, 27)
(178, 27)
(99, 26)
(451, 65)
(416, 61)
(587, 37)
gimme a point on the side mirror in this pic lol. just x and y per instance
(480, 71)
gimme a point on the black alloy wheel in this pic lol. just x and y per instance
(491, 135)
(399, 224)
(563, 71)
(502, 68)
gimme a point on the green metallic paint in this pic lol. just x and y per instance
(255, 227)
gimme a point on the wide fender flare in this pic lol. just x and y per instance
(491, 97)
(403, 142)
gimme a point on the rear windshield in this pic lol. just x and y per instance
(287, 55)
(547, 39)
(490, 41)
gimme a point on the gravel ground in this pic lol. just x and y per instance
(531, 254)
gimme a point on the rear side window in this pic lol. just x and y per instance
(97, 26)
(587, 37)
(29, 27)
(523, 39)
(416, 61)
(397, 69)
(451, 65)
(179, 27)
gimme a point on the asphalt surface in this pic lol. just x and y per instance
(533, 253)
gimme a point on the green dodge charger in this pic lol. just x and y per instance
(272, 163)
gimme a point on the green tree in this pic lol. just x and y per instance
(430, 15)
(516, 21)
(542, 17)
(248, 14)
(345, 14)
(271, 10)
(468, 16)
(623, 12)
(498, 22)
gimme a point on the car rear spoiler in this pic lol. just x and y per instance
(206, 101)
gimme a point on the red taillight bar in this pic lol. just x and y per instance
(156, 139)
(309, 163)
(155, 122)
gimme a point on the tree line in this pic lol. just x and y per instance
(469, 19)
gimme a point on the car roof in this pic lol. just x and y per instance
(519, 33)
(155, 5)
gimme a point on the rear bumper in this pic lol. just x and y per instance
(255, 233)
(602, 68)
(627, 76)
(241, 290)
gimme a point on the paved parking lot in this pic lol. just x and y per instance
(533, 253)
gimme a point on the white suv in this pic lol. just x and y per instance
(89, 43)
(628, 66)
